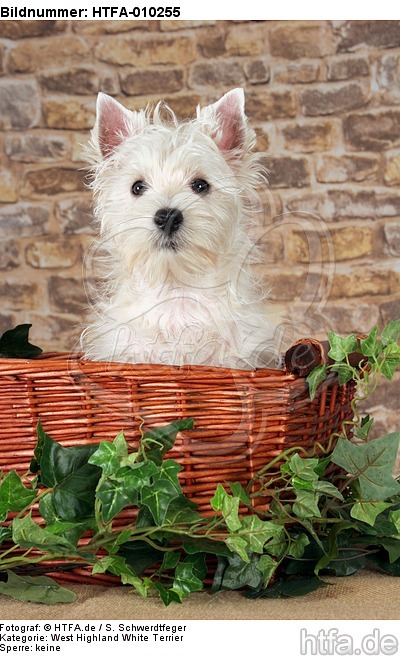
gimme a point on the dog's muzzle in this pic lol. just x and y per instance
(168, 220)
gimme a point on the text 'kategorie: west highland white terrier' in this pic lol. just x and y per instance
(173, 204)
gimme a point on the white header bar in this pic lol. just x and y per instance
(189, 10)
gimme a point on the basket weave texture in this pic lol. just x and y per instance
(242, 419)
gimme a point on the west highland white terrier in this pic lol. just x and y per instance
(173, 204)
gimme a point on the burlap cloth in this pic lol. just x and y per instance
(365, 595)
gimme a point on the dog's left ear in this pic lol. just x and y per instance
(230, 133)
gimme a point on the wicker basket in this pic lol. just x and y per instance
(242, 419)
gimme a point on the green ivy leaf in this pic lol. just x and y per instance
(328, 490)
(157, 499)
(106, 458)
(315, 378)
(182, 510)
(140, 556)
(276, 546)
(229, 506)
(26, 533)
(117, 565)
(371, 346)
(373, 463)
(67, 471)
(391, 332)
(297, 545)
(322, 465)
(198, 561)
(204, 545)
(389, 366)
(306, 504)
(186, 580)
(341, 346)
(267, 567)
(301, 484)
(345, 372)
(218, 499)
(5, 533)
(14, 496)
(367, 511)
(158, 441)
(394, 517)
(38, 589)
(238, 491)
(59, 526)
(258, 532)
(15, 343)
(364, 430)
(169, 471)
(238, 545)
(392, 546)
(168, 595)
(304, 468)
(240, 573)
(122, 489)
(170, 559)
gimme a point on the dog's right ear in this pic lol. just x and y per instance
(113, 124)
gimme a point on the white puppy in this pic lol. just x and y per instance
(173, 204)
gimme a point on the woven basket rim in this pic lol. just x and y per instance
(74, 362)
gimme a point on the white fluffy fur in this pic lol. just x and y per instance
(195, 303)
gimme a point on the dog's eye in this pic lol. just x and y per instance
(200, 186)
(138, 188)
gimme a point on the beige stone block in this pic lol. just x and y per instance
(9, 254)
(272, 104)
(33, 55)
(345, 68)
(36, 147)
(211, 41)
(69, 114)
(52, 254)
(247, 39)
(374, 131)
(146, 50)
(17, 295)
(293, 40)
(356, 34)
(331, 99)
(366, 280)
(310, 136)
(392, 169)
(257, 71)
(20, 29)
(8, 189)
(19, 104)
(184, 105)
(67, 294)
(24, 220)
(216, 74)
(53, 181)
(145, 81)
(339, 244)
(79, 141)
(346, 168)
(299, 73)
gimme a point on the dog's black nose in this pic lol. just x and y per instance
(168, 220)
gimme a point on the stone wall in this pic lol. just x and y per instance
(324, 98)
